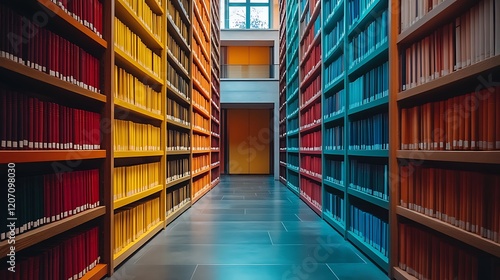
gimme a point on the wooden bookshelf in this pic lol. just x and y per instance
(136, 110)
(38, 235)
(400, 274)
(134, 246)
(177, 181)
(135, 154)
(480, 157)
(32, 156)
(97, 273)
(124, 60)
(374, 255)
(136, 197)
(178, 212)
(369, 198)
(156, 6)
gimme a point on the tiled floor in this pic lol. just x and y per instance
(248, 227)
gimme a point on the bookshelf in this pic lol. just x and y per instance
(41, 96)
(441, 151)
(282, 92)
(215, 93)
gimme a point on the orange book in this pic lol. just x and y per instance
(422, 127)
(429, 126)
(449, 123)
(404, 177)
(411, 189)
(418, 190)
(451, 48)
(466, 101)
(455, 125)
(431, 200)
(445, 54)
(402, 246)
(404, 129)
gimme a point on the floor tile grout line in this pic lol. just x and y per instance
(269, 234)
(359, 256)
(298, 217)
(284, 226)
(332, 272)
(194, 271)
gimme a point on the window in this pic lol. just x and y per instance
(247, 14)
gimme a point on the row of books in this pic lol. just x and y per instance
(215, 158)
(311, 63)
(178, 52)
(468, 39)
(201, 142)
(307, 41)
(333, 37)
(465, 122)
(177, 82)
(465, 199)
(131, 90)
(334, 104)
(198, 76)
(177, 197)
(371, 133)
(313, 90)
(369, 39)
(46, 51)
(200, 163)
(133, 221)
(311, 165)
(293, 108)
(215, 143)
(204, 16)
(51, 197)
(177, 168)
(311, 116)
(177, 112)
(199, 54)
(428, 256)
(177, 140)
(132, 45)
(334, 71)
(201, 184)
(311, 142)
(293, 159)
(372, 85)
(31, 123)
(88, 13)
(329, 6)
(178, 24)
(131, 136)
(334, 138)
(203, 103)
(311, 191)
(413, 10)
(335, 207)
(373, 230)
(69, 257)
(293, 124)
(334, 170)
(130, 180)
(152, 21)
(200, 122)
(370, 178)
(356, 9)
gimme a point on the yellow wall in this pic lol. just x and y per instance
(248, 62)
(249, 141)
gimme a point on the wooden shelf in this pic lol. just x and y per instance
(177, 213)
(130, 19)
(376, 57)
(134, 154)
(313, 207)
(200, 20)
(334, 15)
(367, 16)
(335, 224)
(133, 246)
(469, 238)
(444, 83)
(316, 41)
(182, 12)
(370, 107)
(310, 152)
(381, 260)
(177, 65)
(333, 185)
(176, 34)
(35, 236)
(124, 106)
(309, 103)
(199, 131)
(155, 7)
(335, 118)
(97, 273)
(57, 87)
(311, 128)
(400, 274)
(303, 13)
(172, 92)
(293, 190)
(178, 124)
(368, 153)
(31, 156)
(312, 177)
(177, 181)
(202, 69)
(369, 198)
(136, 197)
(313, 73)
(201, 151)
(293, 169)
(127, 62)
(195, 199)
(199, 109)
(336, 85)
(64, 21)
(182, 152)
(480, 157)
(196, 174)
(333, 52)
(200, 88)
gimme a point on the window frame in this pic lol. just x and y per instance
(248, 5)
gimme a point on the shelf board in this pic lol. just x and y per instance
(177, 213)
(215, 166)
(316, 41)
(303, 13)
(201, 45)
(315, 13)
(313, 207)
(333, 52)
(370, 106)
(35, 236)
(196, 174)
(368, 153)
(135, 197)
(177, 65)
(195, 199)
(24, 74)
(177, 95)
(178, 124)
(283, 164)
(176, 34)
(315, 72)
(214, 184)
(292, 169)
(199, 131)
(200, 88)
(441, 85)
(309, 103)
(182, 12)
(481, 157)
(442, 13)
(317, 179)
(375, 58)
(366, 17)
(97, 273)
(200, 20)
(132, 21)
(310, 152)
(123, 59)
(31, 156)
(369, 198)
(373, 254)
(133, 246)
(155, 7)
(293, 190)
(334, 185)
(337, 84)
(283, 181)
(340, 228)
(177, 181)
(400, 274)
(72, 26)
(338, 117)
(333, 16)
(469, 238)
(134, 154)
(201, 151)
(311, 128)
(200, 111)
(124, 106)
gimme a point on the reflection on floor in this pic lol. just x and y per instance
(248, 227)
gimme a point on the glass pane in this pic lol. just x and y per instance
(237, 17)
(259, 17)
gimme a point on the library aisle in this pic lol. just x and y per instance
(248, 227)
